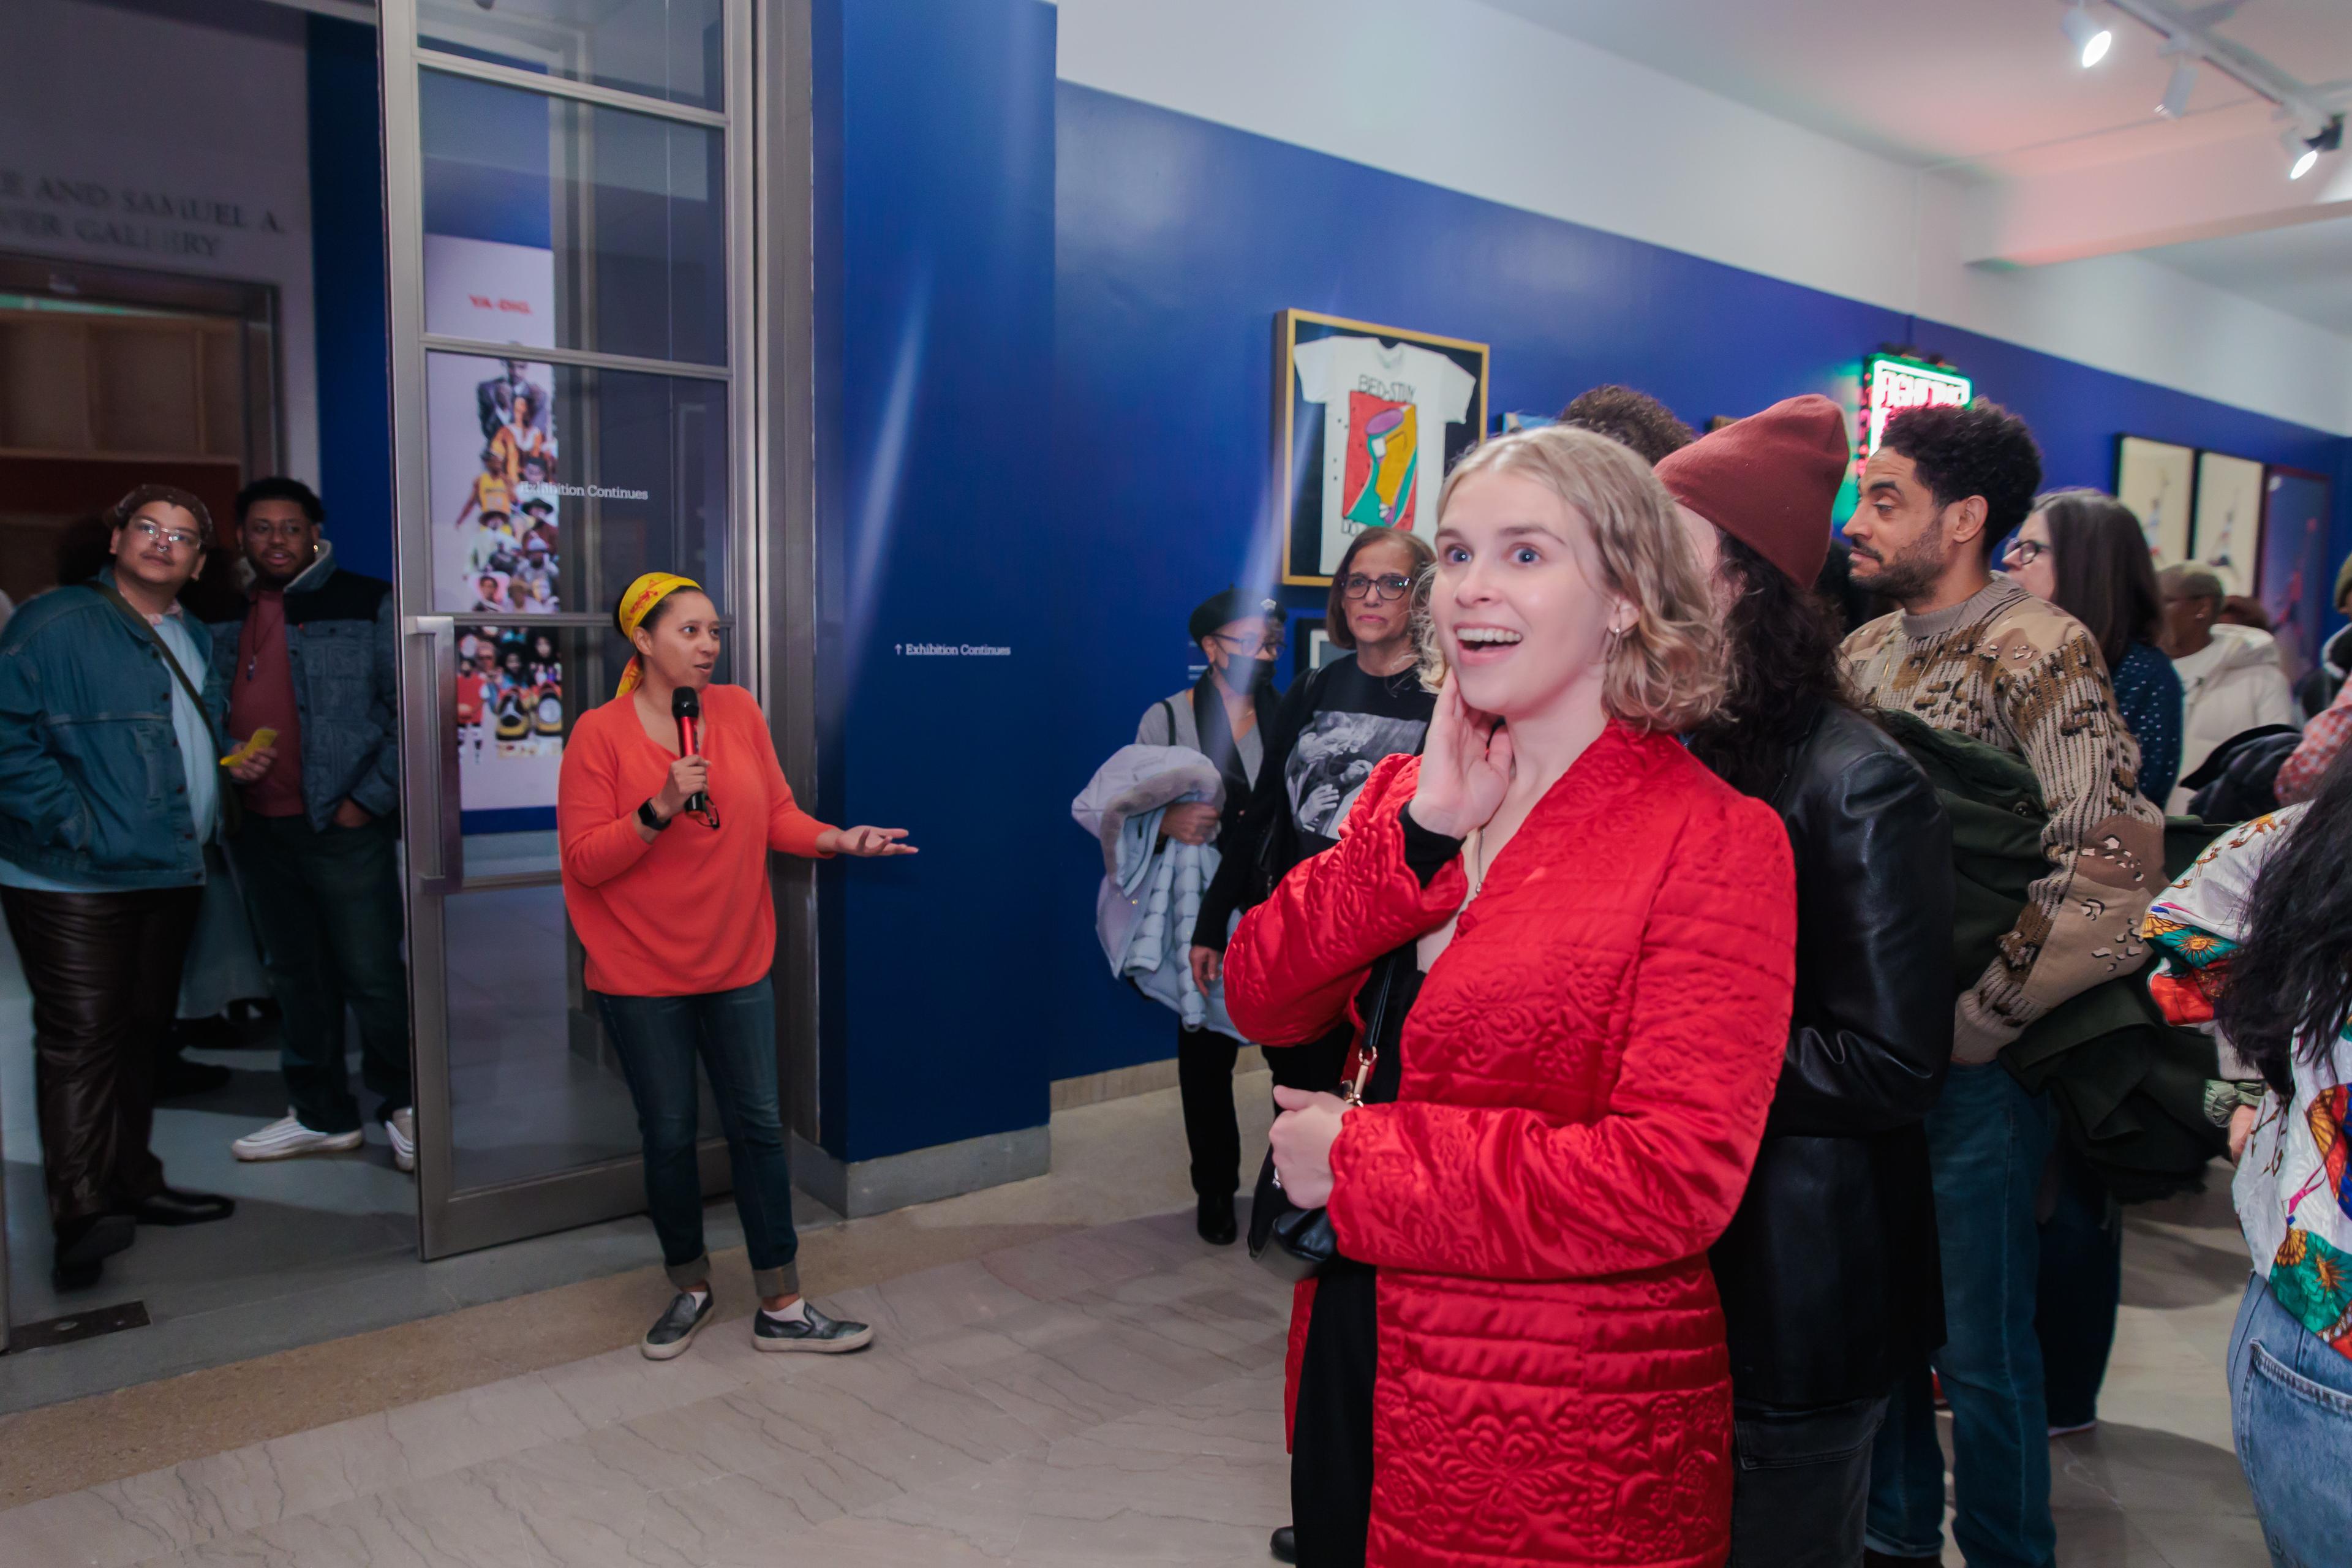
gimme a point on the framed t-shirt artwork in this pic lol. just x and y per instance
(1367, 420)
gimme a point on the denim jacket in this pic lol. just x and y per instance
(342, 640)
(92, 786)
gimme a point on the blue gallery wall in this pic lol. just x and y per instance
(353, 337)
(1176, 241)
(934, 235)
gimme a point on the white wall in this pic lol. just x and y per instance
(199, 101)
(1460, 95)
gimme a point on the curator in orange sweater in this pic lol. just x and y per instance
(673, 908)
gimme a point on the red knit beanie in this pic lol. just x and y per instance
(1769, 481)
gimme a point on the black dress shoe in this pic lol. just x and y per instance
(84, 1245)
(177, 1077)
(1216, 1221)
(172, 1207)
(1285, 1545)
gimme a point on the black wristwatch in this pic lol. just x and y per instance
(646, 814)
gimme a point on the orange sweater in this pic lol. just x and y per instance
(689, 913)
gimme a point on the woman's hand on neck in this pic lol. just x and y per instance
(1547, 743)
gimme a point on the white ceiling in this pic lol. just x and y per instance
(1936, 81)
(2303, 270)
(1990, 88)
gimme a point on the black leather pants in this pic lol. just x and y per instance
(104, 969)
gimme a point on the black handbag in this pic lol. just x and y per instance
(1296, 1243)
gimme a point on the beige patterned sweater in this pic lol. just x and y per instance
(2017, 672)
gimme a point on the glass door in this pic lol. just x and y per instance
(566, 188)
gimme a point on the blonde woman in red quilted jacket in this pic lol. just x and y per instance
(1580, 943)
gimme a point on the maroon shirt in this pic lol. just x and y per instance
(260, 693)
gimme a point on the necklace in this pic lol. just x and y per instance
(1477, 856)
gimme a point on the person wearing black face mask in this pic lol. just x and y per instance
(1223, 718)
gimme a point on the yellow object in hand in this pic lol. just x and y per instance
(264, 736)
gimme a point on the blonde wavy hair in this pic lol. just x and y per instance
(1667, 671)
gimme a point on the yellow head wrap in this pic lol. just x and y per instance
(638, 604)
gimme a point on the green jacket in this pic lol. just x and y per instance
(2129, 1088)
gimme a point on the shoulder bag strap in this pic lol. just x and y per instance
(1368, 1054)
(230, 816)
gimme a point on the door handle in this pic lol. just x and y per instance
(431, 745)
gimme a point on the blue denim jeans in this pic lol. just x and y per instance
(2291, 1415)
(1986, 1142)
(734, 1032)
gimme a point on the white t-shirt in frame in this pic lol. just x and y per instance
(1438, 390)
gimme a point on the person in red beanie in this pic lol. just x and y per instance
(1829, 1270)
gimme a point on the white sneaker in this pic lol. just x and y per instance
(401, 1127)
(287, 1138)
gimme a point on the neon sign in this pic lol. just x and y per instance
(1891, 383)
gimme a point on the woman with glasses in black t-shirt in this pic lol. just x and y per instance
(1331, 730)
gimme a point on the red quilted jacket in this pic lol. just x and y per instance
(1585, 1076)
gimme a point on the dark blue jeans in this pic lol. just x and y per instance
(2082, 1286)
(734, 1032)
(327, 909)
(1986, 1142)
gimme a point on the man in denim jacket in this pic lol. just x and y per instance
(312, 657)
(110, 789)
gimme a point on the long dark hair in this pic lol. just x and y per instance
(2292, 977)
(1782, 645)
(2105, 578)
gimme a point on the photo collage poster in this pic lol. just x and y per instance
(496, 495)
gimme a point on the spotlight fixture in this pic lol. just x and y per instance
(2304, 151)
(2177, 90)
(2090, 38)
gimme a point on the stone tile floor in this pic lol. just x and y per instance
(1104, 1394)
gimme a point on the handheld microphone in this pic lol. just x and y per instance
(685, 707)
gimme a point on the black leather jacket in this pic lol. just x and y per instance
(1829, 1270)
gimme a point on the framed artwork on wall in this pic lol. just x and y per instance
(1311, 646)
(2153, 478)
(2227, 534)
(1367, 420)
(2293, 582)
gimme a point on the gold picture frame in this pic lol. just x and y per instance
(1386, 442)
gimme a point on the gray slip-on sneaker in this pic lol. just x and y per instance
(675, 1328)
(820, 1334)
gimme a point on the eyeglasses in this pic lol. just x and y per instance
(171, 537)
(1250, 646)
(1388, 585)
(2026, 551)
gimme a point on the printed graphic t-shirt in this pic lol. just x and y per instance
(1385, 409)
(1359, 718)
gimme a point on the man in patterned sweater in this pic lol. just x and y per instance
(1977, 654)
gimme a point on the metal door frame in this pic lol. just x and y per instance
(449, 1221)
